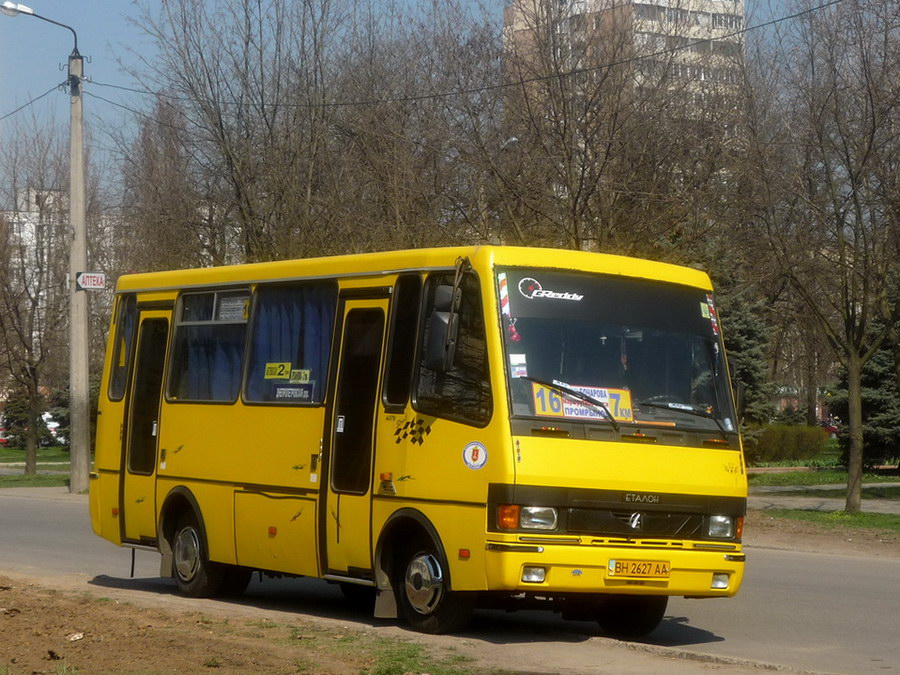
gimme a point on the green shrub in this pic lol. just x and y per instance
(783, 442)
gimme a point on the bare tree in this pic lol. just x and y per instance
(33, 267)
(621, 138)
(823, 141)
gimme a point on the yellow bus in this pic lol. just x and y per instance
(434, 430)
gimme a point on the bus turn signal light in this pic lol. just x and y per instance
(508, 516)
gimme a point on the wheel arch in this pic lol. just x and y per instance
(402, 526)
(178, 501)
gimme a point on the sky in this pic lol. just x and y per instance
(33, 51)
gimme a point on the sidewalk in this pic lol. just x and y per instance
(769, 497)
(55, 494)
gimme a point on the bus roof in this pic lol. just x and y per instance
(392, 262)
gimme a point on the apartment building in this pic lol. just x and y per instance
(693, 45)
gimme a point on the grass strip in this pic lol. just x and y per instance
(830, 477)
(876, 523)
(870, 492)
(38, 480)
(51, 454)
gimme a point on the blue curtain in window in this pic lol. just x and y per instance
(210, 362)
(292, 325)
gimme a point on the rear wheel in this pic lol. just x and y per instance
(631, 615)
(423, 593)
(195, 575)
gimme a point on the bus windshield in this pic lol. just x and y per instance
(645, 352)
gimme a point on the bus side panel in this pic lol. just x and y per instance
(233, 446)
(275, 532)
(439, 460)
(442, 469)
(262, 446)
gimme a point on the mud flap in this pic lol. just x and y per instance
(385, 603)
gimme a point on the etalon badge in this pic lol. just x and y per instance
(636, 521)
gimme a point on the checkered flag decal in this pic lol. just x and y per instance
(415, 430)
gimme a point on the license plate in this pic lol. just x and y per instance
(643, 569)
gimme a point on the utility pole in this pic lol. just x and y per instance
(79, 388)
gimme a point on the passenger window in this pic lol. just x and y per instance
(291, 343)
(404, 323)
(463, 393)
(209, 346)
(125, 331)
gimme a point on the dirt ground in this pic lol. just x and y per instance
(65, 630)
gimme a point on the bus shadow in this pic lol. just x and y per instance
(316, 598)
(529, 626)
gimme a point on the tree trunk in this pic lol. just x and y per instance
(812, 388)
(854, 462)
(32, 434)
(31, 451)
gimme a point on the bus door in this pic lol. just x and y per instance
(138, 501)
(348, 500)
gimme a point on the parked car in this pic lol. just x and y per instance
(829, 427)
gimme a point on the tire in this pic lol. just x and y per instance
(235, 580)
(631, 615)
(195, 575)
(423, 593)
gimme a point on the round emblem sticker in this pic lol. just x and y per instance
(475, 455)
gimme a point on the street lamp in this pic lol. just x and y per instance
(79, 392)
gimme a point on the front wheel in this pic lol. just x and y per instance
(423, 593)
(631, 615)
(195, 575)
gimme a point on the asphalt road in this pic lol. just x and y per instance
(822, 613)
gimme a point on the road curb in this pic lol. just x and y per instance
(687, 655)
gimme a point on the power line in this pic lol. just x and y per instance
(32, 101)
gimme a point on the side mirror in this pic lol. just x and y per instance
(739, 390)
(737, 386)
(447, 299)
(443, 329)
(441, 348)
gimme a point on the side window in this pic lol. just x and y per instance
(401, 357)
(125, 331)
(209, 346)
(290, 343)
(464, 392)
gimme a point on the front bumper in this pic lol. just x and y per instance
(695, 569)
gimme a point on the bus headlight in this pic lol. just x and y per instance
(721, 527)
(516, 517)
(538, 518)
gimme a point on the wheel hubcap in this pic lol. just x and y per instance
(187, 553)
(424, 583)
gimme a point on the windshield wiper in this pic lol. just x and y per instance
(688, 409)
(574, 393)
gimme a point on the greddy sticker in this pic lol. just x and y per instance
(532, 289)
(475, 455)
